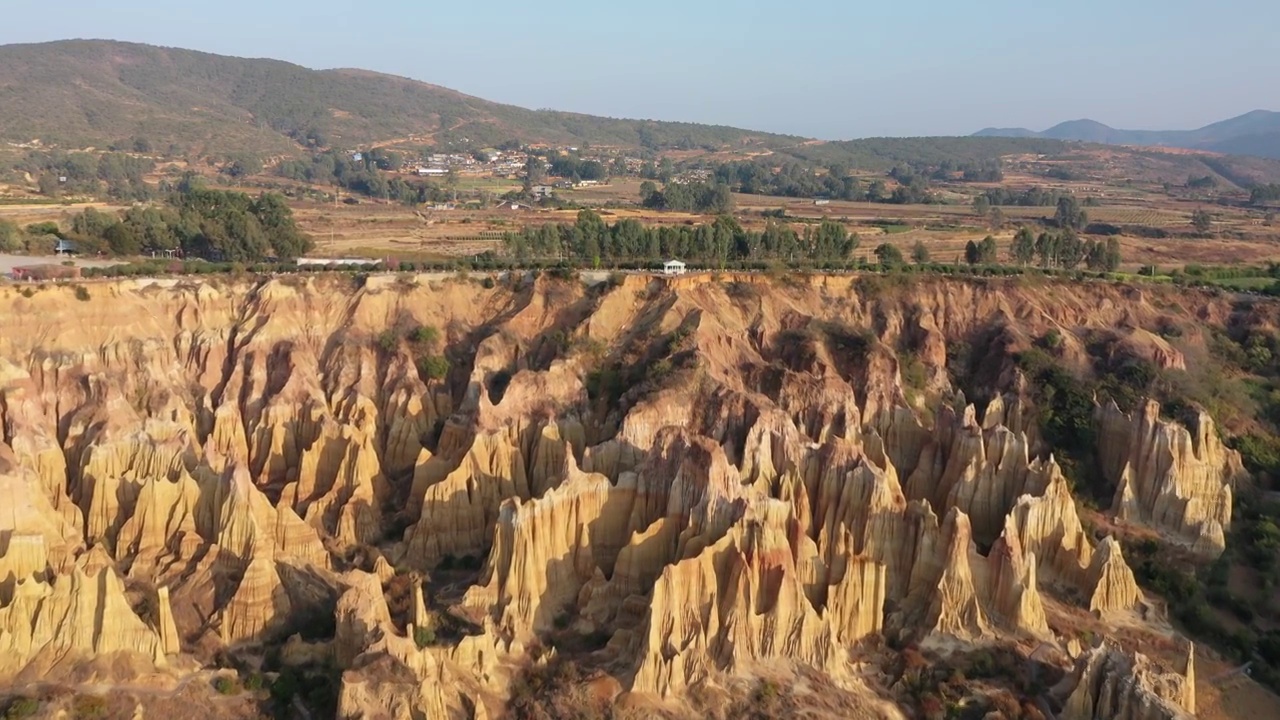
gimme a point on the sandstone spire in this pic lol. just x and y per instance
(953, 607)
(543, 551)
(170, 641)
(1114, 587)
(1108, 683)
(260, 604)
(1175, 478)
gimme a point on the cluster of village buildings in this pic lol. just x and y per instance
(506, 164)
(499, 164)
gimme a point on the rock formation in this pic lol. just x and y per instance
(1115, 590)
(260, 604)
(942, 597)
(748, 603)
(1108, 683)
(1010, 585)
(544, 550)
(1174, 478)
(78, 618)
(687, 484)
(170, 641)
(458, 513)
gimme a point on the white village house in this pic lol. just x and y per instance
(673, 267)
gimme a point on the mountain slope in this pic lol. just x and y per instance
(1254, 133)
(89, 92)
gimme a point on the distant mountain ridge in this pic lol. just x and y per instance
(80, 93)
(1254, 133)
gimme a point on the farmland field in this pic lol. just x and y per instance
(1248, 283)
(1135, 216)
(371, 227)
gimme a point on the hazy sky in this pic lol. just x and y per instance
(822, 68)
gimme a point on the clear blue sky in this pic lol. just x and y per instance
(822, 68)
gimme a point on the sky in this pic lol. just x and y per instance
(830, 69)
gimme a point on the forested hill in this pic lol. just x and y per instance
(81, 93)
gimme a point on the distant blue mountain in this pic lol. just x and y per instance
(1254, 133)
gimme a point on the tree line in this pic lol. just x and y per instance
(1031, 197)
(577, 169)
(1064, 250)
(833, 182)
(592, 241)
(196, 222)
(694, 197)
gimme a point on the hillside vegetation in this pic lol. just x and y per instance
(885, 153)
(171, 102)
(98, 93)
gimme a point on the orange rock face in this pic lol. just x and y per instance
(684, 484)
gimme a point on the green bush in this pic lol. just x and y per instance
(424, 637)
(1065, 413)
(658, 370)
(388, 340)
(225, 685)
(82, 293)
(608, 383)
(433, 367)
(20, 708)
(255, 682)
(1261, 453)
(424, 335)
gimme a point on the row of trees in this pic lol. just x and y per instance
(798, 180)
(1053, 250)
(1065, 250)
(791, 180)
(988, 170)
(213, 224)
(591, 241)
(574, 168)
(1031, 197)
(695, 197)
(835, 181)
